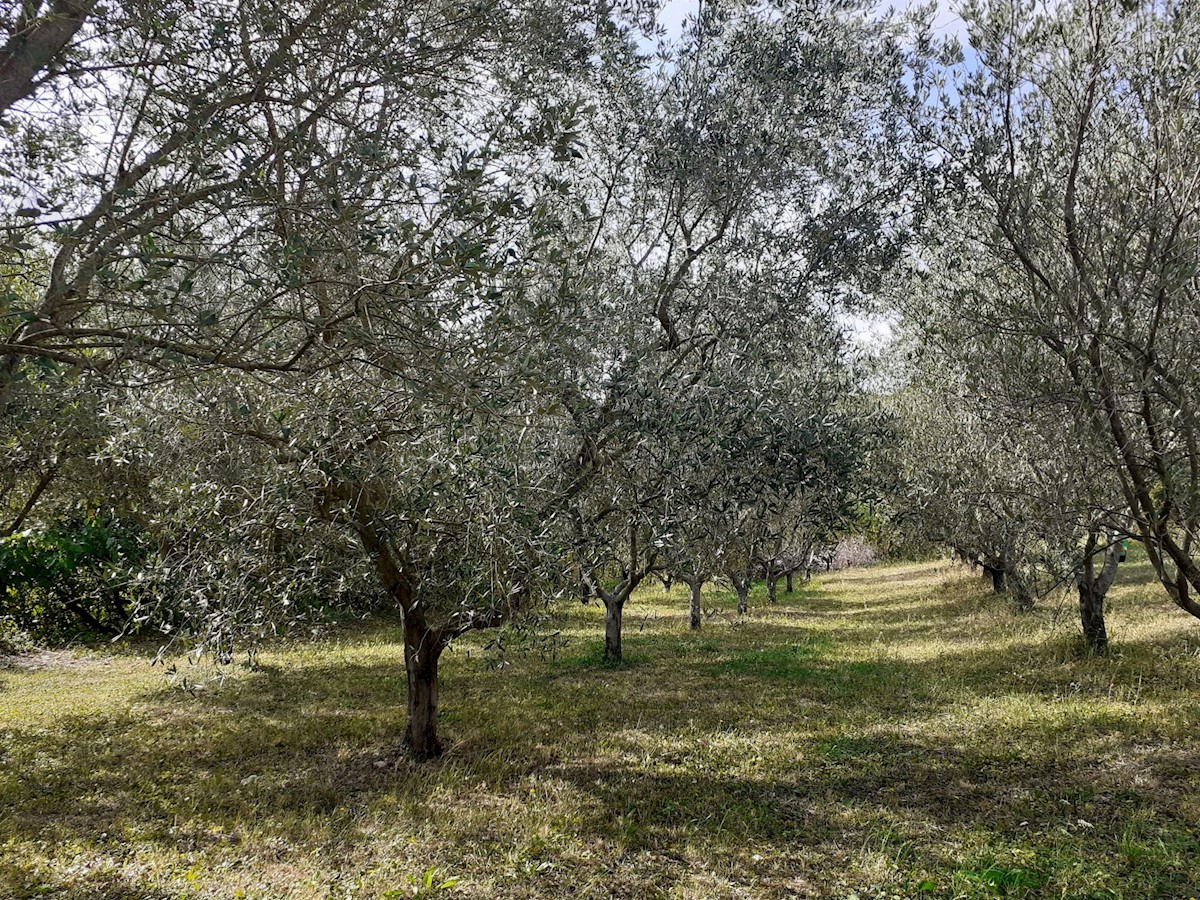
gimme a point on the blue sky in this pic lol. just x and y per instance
(947, 22)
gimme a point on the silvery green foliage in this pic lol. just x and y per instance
(747, 185)
(1070, 261)
(758, 458)
(994, 478)
(231, 161)
(360, 298)
(342, 198)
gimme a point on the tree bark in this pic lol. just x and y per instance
(1093, 589)
(694, 620)
(788, 585)
(1091, 617)
(36, 45)
(996, 573)
(613, 608)
(772, 587)
(422, 649)
(423, 645)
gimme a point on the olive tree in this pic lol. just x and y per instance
(308, 253)
(1073, 145)
(992, 471)
(183, 185)
(751, 180)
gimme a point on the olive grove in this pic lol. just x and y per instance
(321, 305)
(1054, 310)
(332, 306)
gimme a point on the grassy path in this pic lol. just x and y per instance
(889, 732)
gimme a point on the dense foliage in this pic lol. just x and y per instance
(347, 305)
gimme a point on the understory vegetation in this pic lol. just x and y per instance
(893, 731)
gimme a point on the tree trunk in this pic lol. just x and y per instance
(996, 573)
(743, 595)
(613, 607)
(1093, 589)
(772, 587)
(422, 648)
(694, 621)
(788, 585)
(1091, 617)
(423, 645)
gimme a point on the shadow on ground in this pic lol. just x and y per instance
(823, 732)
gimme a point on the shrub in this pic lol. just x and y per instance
(71, 577)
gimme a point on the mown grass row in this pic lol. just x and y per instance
(888, 732)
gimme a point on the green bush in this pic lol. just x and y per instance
(12, 638)
(70, 578)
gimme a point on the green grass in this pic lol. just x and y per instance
(891, 732)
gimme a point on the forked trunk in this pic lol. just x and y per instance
(1093, 589)
(423, 644)
(422, 648)
(613, 608)
(694, 620)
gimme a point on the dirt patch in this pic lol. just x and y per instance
(50, 659)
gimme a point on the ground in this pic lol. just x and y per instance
(885, 732)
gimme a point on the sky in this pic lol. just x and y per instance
(947, 22)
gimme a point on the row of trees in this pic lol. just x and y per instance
(464, 307)
(1051, 320)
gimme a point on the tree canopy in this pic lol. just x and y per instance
(462, 311)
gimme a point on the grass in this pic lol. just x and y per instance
(884, 733)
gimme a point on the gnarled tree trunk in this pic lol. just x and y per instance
(1093, 589)
(423, 644)
(423, 648)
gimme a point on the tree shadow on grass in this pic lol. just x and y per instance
(20, 879)
(844, 793)
(303, 755)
